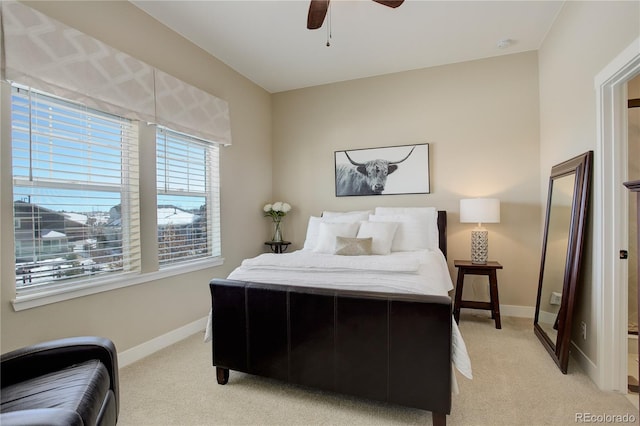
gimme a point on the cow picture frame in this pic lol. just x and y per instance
(392, 170)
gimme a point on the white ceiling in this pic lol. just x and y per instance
(268, 42)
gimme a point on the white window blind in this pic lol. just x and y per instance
(188, 198)
(75, 191)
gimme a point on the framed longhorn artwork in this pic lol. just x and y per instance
(390, 170)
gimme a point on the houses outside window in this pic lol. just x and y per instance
(188, 211)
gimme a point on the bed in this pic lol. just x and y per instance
(363, 309)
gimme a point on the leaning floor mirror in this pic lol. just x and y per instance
(562, 246)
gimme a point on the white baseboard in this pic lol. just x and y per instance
(518, 311)
(147, 348)
(580, 357)
(584, 362)
(632, 345)
(508, 311)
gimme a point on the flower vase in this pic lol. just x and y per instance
(277, 233)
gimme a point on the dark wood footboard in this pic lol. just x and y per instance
(387, 347)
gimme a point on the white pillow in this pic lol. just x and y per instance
(313, 228)
(412, 233)
(386, 211)
(329, 231)
(352, 216)
(418, 227)
(382, 234)
(429, 214)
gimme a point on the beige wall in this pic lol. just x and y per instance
(137, 314)
(585, 37)
(481, 119)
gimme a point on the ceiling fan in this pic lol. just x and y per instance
(318, 11)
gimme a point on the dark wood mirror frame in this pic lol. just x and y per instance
(579, 167)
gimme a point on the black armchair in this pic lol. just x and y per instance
(71, 381)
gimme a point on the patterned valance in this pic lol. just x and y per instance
(45, 54)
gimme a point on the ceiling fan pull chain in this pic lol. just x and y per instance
(329, 24)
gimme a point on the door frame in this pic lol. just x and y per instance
(611, 218)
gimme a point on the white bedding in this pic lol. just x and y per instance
(415, 272)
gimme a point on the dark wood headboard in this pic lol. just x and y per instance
(442, 231)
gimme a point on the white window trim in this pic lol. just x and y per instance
(41, 297)
(37, 297)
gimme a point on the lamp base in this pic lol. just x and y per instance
(479, 246)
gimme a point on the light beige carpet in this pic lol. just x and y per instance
(515, 383)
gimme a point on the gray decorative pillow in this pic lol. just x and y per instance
(353, 246)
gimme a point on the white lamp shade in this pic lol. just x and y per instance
(480, 210)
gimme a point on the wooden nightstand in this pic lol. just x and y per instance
(465, 267)
(278, 246)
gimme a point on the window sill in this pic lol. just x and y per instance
(40, 297)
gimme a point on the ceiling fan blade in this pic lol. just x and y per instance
(317, 12)
(390, 3)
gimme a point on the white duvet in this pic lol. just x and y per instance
(416, 272)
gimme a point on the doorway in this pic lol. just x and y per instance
(611, 227)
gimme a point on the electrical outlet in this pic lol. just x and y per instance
(583, 329)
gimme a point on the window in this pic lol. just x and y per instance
(76, 198)
(75, 191)
(188, 198)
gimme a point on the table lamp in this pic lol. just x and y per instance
(479, 210)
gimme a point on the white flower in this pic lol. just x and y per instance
(277, 210)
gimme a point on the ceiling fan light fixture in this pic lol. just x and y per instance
(318, 11)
